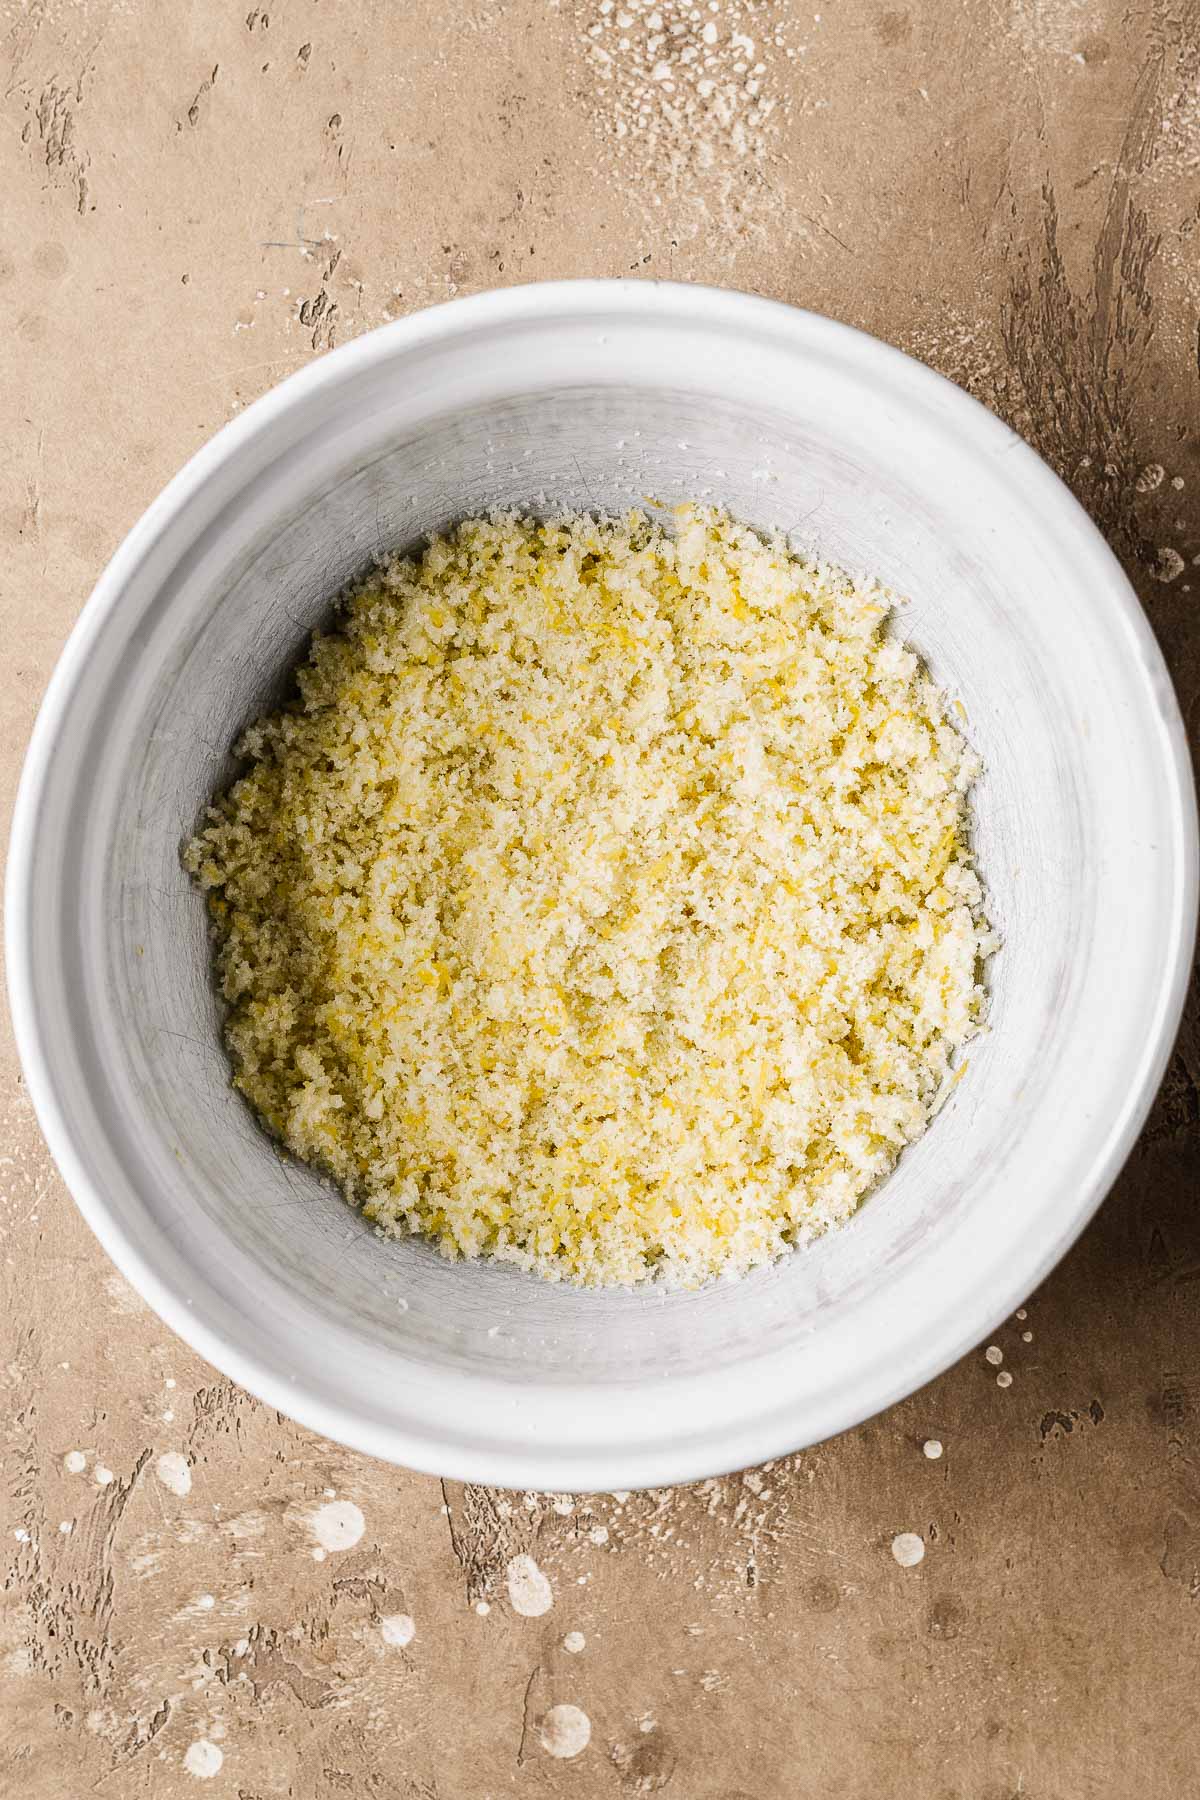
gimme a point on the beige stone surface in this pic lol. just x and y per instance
(196, 199)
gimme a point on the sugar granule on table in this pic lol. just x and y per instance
(603, 903)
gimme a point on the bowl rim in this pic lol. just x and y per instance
(769, 1433)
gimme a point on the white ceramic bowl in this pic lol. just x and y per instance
(596, 394)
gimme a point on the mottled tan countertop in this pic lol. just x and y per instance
(197, 198)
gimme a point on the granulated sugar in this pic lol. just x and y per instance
(603, 902)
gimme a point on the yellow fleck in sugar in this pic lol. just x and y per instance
(602, 903)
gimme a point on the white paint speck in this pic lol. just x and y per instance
(170, 1382)
(102, 1476)
(1169, 566)
(338, 1526)
(1004, 1379)
(173, 1471)
(168, 1417)
(994, 1354)
(565, 1731)
(599, 1534)
(397, 1629)
(66, 1527)
(482, 1608)
(574, 1642)
(908, 1549)
(529, 1591)
(21, 1535)
(206, 1602)
(124, 1298)
(203, 1759)
(74, 1462)
(932, 1448)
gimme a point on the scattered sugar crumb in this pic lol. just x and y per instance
(680, 103)
(397, 1629)
(908, 1548)
(482, 1608)
(574, 1642)
(1027, 1337)
(994, 1354)
(1004, 1379)
(565, 1731)
(1150, 478)
(66, 1527)
(206, 1602)
(599, 1534)
(932, 1448)
(1022, 1313)
(74, 1462)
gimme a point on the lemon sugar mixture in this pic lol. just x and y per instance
(603, 902)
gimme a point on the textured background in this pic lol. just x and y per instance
(197, 198)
